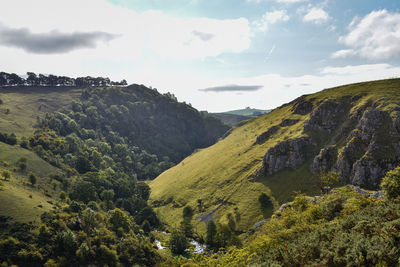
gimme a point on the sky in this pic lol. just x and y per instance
(218, 55)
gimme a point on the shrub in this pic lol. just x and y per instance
(6, 175)
(32, 178)
(21, 163)
(265, 201)
(178, 242)
(391, 183)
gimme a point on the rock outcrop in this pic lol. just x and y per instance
(290, 153)
(370, 150)
(262, 138)
(302, 106)
(327, 116)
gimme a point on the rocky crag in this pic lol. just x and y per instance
(352, 135)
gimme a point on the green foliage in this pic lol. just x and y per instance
(133, 130)
(32, 178)
(186, 224)
(265, 201)
(21, 163)
(78, 237)
(178, 242)
(10, 139)
(62, 195)
(391, 183)
(341, 229)
(211, 233)
(6, 175)
(187, 213)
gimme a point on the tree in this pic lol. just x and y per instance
(265, 201)
(143, 190)
(146, 227)
(327, 180)
(22, 164)
(187, 212)
(108, 196)
(186, 224)
(11, 139)
(119, 219)
(178, 242)
(211, 232)
(231, 222)
(6, 175)
(391, 183)
(32, 178)
(63, 195)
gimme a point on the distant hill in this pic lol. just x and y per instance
(231, 119)
(234, 117)
(353, 130)
(249, 112)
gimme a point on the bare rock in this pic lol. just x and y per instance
(288, 122)
(325, 160)
(326, 116)
(302, 106)
(262, 138)
(291, 153)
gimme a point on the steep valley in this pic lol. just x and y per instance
(352, 130)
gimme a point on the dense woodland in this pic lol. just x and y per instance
(104, 143)
(132, 130)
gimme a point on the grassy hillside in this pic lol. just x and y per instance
(21, 106)
(225, 174)
(19, 199)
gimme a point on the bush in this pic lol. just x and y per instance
(32, 178)
(391, 184)
(265, 201)
(6, 175)
(178, 242)
(21, 163)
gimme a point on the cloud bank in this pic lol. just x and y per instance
(376, 37)
(232, 88)
(53, 42)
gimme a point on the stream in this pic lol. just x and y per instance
(198, 248)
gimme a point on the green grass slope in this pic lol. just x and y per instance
(19, 199)
(25, 104)
(223, 175)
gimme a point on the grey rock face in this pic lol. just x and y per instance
(288, 122)
(302, 106)
(370, 150)
(326, 116)
(262, 138)
(325, 160)
(291, 153)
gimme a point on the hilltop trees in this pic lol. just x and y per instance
(7, 79)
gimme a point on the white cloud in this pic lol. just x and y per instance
(141, 34)
(316, 15)
(278, 89)
(376, 36)
(270, 18)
